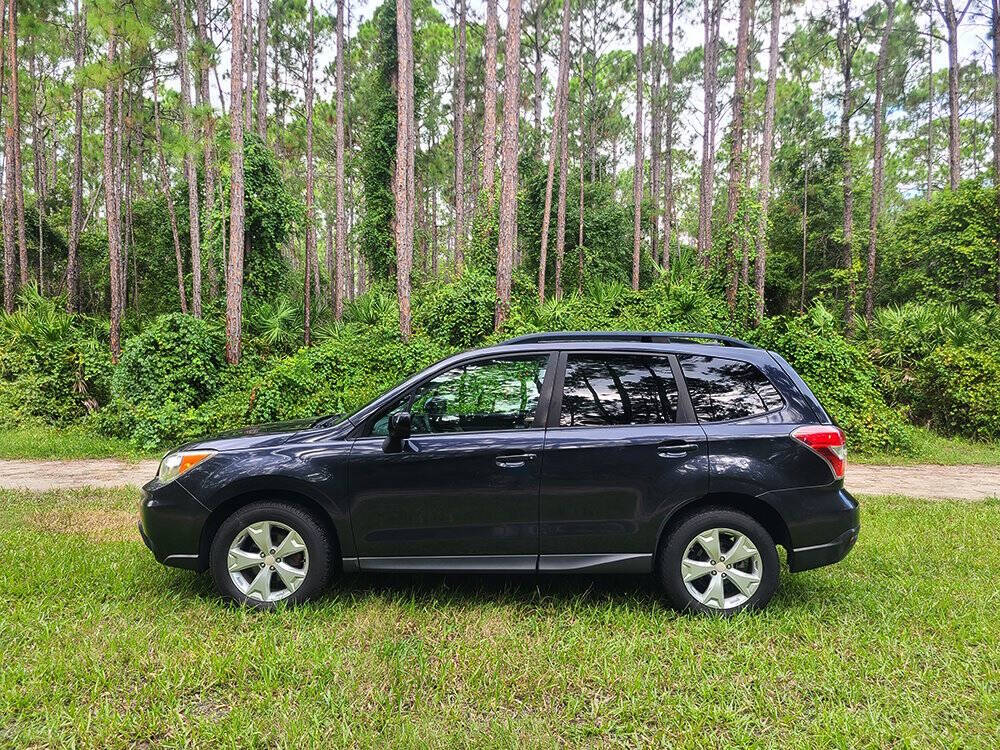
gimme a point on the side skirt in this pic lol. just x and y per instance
(599, 563)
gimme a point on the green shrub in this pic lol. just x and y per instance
(175, 360)
(459, 314)
(353, 365)
(843, 378)
(53, 367)
(957, 392)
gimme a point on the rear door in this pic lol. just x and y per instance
(622, 449)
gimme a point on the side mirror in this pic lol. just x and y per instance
(399, 425)
(398, 429)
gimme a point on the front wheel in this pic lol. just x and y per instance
(266, 553)
(718, 561)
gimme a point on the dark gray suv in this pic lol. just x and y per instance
(685, 455)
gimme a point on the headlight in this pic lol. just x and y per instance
(175, 464)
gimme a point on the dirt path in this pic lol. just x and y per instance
(60, 475)
(959, 482)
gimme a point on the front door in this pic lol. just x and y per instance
(623, 451)
(462, 491)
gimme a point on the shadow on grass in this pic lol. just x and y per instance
(561, 591)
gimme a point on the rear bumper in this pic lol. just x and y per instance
(807, 558)
(823, 524)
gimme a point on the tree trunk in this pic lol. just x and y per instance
(508, 177)
(878, 157)
(312, 256)
(14, 133)
(190, 170)
(712, 17)
(654, 129)
(639, 152)
(736, 152)
(996, 116)
(234, 273)
(76, 210)
(405, 148)
(846, 48)
(38, 163)
(207, 135)
(555, 146)
(248, 67)
(262, 20)
(459, 115)
(805, 234)
(490, 101)
(952, 20)
(167, 195)
(9, 243)
(766, 153)
(668, 167)
(539, 70)
(341, 236)
(930, 103)
(111, 204)
(580, 143)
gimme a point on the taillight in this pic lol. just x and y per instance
(828, 443)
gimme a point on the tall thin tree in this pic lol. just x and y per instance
(710, 78)
(766, 154)
(459, 138)
(111, 200)
(555, 145)
(734, 191)
(640, 158)
(668, 165)
(76, 209)
(234, 274)
(878, 157)
(341, 236)
(263, 16)
(14, 140)
(953, 18)
(508, 177)
(405, 148)
(490, 101)
(847, 48)
(190, 169)
(311, 253)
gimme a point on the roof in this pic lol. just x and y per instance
(646, 337)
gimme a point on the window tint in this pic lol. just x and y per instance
(723, 389)
(618, 389)
(498, 394)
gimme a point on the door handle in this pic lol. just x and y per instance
(675, 449)
(514, 460)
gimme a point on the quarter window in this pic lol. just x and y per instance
(726, 389)
(497, 394)
(604, 390)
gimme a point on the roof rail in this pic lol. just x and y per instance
(648, 337)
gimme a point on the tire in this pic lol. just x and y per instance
(715, 589)
(295, 568)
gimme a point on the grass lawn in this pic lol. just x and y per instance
(931, 448)
(42, 442)
(103, 648)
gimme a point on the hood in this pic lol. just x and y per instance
(254, 436)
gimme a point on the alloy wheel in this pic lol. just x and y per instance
(721, 568)
(268, 561)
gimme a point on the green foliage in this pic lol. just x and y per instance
(349, 368)
(944, 250)
(958, 393)
(842, 376)
(174, 360)
(459, 314)
(53, 368)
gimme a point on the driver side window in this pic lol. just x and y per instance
(483, 396)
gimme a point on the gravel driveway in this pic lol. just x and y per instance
(927, 480)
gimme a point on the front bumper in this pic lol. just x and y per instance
(171, 524)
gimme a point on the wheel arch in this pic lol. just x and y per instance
(757, 509)
(283, 495)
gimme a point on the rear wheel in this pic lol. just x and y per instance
(266, 553)
(718, 561)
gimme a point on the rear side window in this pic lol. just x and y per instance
(725, 389)
(601, 390)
